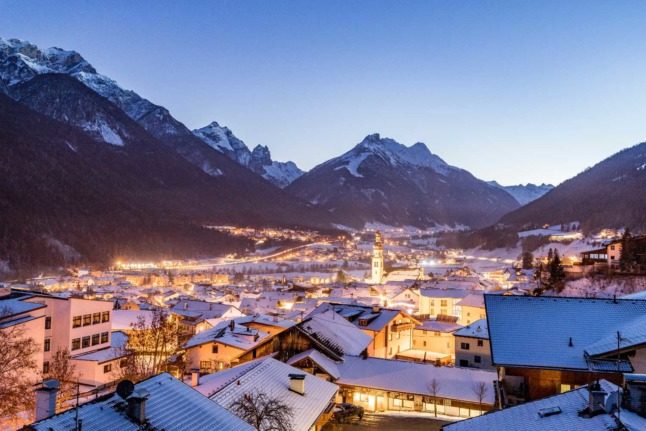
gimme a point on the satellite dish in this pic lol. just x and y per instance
(125, 388)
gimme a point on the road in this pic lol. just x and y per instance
(389, 423)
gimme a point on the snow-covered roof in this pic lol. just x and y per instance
(204, 309)
(240, 337)
(438, 326)
(477, 329)
(332, 327)
(271, 377)
(472, 300)
(171, 406)
(415, 378)
(16, 303)
(531, 416)
(443, 293)
(377, 318)
(556, 332)
(320, 359)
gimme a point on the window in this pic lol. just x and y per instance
(105, 316)
(107, 368)
(424, 343)
(76, 322)
(76, 344)
(477, 359)
(104, 337)
(214, 348)
(48, 322)
(464, 363)
(87, 319)
(96, 318)
(443, 303)
(123, 363)
(464, 346)
(45, 367)
(48, 344)
(205, 365)
(95, 339)
(85, 342)
(480, 343)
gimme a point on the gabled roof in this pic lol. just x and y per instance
(413, 377)
(240, 337)
(271, 377)
(531, 416)
(472, 300)
(558, 332)
(325, 363)
(333, 328)
(171, 406)
(376, 319)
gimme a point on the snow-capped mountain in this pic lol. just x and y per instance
(608, 195)
(259, 160)
(525, 194)
(380, 180)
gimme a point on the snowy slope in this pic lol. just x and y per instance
(525, 194)
(259, 160)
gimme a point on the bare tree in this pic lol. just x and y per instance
(150, 345)
(62, 369)
(434, 389)
(263, 412)
(480, 389)
(17, 367)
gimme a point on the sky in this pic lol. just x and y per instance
(516, 91)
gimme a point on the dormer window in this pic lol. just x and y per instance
(363, 322)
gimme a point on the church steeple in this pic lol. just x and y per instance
(378, 260)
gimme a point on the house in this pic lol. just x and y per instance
(392, 385)
(225, 345)
(588, 408)
(310, 398)
(472, 308)
(160, 402)
(435, 301)
(391, 330)
(192, 312)
(105, 365)
(546, 345)
(433, 341)
(472, 348)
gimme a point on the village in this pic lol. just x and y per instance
(339, 329)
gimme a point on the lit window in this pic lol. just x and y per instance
(96, 318)
(76, 322)
(87, 319)
(104, 337)
(76, 344)
(106, 316)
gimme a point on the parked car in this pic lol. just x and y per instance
(346, 412)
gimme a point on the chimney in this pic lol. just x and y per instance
(137, 405)
(596, 398)
(376, 309)
(46, 399)
(297, 383)
(195, 377)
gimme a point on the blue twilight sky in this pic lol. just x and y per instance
(515, 91)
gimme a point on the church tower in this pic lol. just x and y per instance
(378, 260)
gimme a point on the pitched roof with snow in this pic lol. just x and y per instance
(376, 319)
(271, 377)
(327, 364)
(240, 337)
(565, 408)
(561, 333)
(472, 300)
(333, 328)
(412, 377)
(171, 406)
(477, 329)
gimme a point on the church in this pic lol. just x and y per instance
(378, 273)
